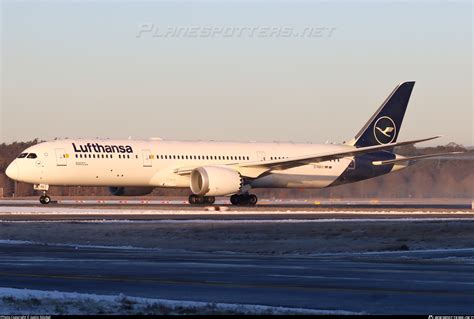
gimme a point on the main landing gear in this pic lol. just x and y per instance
(200, 200)
(244, 199)
(45, 199)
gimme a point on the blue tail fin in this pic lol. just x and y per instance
(384, 126)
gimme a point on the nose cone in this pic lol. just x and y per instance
(12, 171)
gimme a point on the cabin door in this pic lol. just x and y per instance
(61, 157)
(147, 158)
(261, 156)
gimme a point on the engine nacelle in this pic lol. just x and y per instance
(215, 181)
(130, 191)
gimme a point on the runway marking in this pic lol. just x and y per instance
(371, 279)
(237, 285)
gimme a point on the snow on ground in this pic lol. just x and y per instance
(77, 246)
(234, 221)
(12, 210)
(35, 302)
(381, 253)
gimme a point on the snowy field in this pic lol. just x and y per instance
(37, 302)
(274, 237)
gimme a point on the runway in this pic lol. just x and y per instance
(263, 204)
(71, 210)
(413, 282)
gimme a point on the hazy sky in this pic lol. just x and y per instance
(83, 69)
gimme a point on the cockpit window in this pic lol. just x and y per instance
(32, 155)
(22, 155)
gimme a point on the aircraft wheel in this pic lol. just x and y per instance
(244, 199)
(45, 199)
(209, 199)
(235, 199)
(252, 199)
(199, 200)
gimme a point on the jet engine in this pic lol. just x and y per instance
(130, 191)
(215, 181)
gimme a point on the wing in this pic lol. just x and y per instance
(255, 169)
(412, 158)
(315, 158)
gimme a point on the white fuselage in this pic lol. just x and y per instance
(155, 163)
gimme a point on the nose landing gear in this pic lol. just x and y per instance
(45, 199)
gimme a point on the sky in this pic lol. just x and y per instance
(213, 70)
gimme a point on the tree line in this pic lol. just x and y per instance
(436, 178)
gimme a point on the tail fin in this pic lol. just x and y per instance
(384, 126)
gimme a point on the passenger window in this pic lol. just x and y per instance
(22, 155)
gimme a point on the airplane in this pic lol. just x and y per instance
(209, 169)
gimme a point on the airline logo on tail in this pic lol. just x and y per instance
(385, 130)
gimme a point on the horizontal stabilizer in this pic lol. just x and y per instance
(412, 158)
